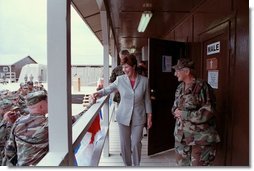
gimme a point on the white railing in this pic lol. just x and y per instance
(79, 129)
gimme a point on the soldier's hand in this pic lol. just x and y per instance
(10, 116)
(178, 114)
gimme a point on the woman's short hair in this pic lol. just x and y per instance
(130, 60)
(124, 52)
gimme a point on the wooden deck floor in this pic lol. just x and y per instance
(165, 159)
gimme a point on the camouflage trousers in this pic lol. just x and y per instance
(194, 155)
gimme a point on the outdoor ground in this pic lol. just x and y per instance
(76, 108)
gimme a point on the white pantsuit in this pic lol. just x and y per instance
(131, 114)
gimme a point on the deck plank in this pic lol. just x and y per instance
(165, 159)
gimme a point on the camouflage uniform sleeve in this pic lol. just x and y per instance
(113, 76)
(206, 110)
(3, 126)
(10, 148)
(177, 94)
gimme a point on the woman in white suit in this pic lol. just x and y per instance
(131, 114)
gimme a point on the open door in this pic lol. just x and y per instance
(162, 54)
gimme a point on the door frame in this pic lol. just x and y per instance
(227, 25)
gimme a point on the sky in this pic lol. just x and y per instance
(23, 26)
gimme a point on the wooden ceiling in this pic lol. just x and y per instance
(125, 15)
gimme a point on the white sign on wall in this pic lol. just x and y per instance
(213, 77)
(166, 63)
(213, 48)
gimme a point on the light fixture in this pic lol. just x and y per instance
(144, 20)
(132, 49)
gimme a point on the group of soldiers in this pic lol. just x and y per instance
(13, 105)
(24, 124)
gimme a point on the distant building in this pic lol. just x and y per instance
(88, 74)
(33, 72)
(11, 67)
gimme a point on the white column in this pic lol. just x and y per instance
(105, 35)
(59, 78)
(114, 56)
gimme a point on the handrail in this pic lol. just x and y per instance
(81, 126)
(79, 129)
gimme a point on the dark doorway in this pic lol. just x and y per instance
(162, 55)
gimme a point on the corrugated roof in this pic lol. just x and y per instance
(10, 60)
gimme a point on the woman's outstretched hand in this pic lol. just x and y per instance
(95, 96)
(149, 120)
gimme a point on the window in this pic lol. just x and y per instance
(5, 69)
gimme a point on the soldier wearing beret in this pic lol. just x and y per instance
(28, 142)
(194, 110)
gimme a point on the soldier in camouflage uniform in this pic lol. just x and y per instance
(5, 106)
(28, 142)
(30, 86)
(195, 129)
(5, 128)
(23, 91)
(116, 72)
(3, 94)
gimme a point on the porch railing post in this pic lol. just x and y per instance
(59, 78)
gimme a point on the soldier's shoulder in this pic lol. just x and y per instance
(22, 119)
(117, 68)
(201, 82)
(181, 85)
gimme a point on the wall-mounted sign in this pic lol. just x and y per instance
(213, 78)
(213, 48)
(166, 63)
(212, 64)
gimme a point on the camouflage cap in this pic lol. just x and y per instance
(5, 103)
(14, 107)
(35, 97)
(12, 96)
(23, 85)
(4, 92)
(183, 63)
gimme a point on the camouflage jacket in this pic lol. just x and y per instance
(116, 72)
(22, 105)
(197, 124)
(28, 141)
(5, 129)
